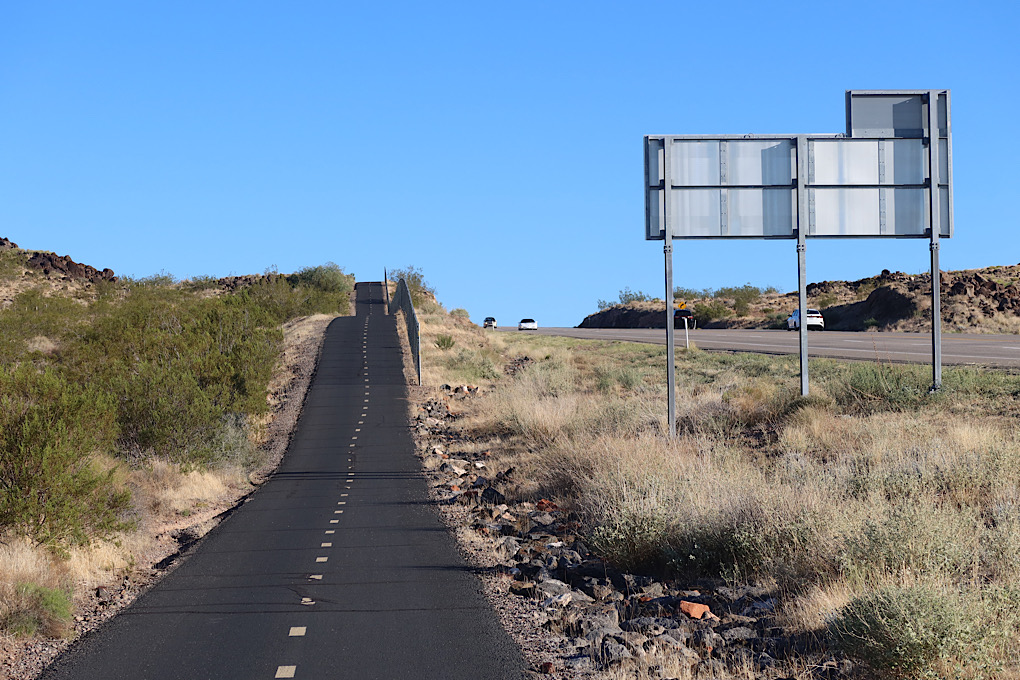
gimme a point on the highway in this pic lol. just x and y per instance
(338, 567)
(999, 351)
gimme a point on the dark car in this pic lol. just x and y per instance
(681, 314)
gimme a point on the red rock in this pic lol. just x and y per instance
(547, 667)
(546, 505)
(693, 609)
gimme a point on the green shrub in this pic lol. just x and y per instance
(329, 278)
(445, 342)
(626, 296)
(709, 311)
(416, 284)
(898, 632)
(742, 296)
(777, 321)
(692, 293)
(41, 610)
(50, 490)
(824, 301)
(460, 313)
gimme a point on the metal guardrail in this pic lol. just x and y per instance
(402, 301)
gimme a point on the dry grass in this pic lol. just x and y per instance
(871, 484)
(26, 571)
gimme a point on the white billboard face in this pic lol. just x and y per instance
(875, 181)
(737, 188)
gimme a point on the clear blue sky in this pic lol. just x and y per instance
(498, 147)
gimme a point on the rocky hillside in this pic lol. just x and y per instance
(24, 269)
(977, 300)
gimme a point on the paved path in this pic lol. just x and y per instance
(1000, 351)
(337, 568)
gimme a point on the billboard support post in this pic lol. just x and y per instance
(802, 225)
(667, 250)
(934, 165)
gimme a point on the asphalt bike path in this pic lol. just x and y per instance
(338, 567)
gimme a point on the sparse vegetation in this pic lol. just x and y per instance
(883, 516)
(423, 295)
(626, 297)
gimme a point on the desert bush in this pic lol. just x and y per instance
(49, 489)
(460, 313)
(444, 341)
(824, 301)
(709, 311)
(420, 290)
(692, 293)
(742, 296)
(38, 609)
(328, 278)
(200, 282)
(777, 321)
(626, 296)
(899, 632)
(914, 537)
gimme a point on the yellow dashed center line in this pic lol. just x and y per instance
(321, 559)
(325, 545)
(285, 671)
(298, 631)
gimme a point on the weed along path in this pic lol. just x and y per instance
(336, 568)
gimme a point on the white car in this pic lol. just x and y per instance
(527, 325)
(815, 320)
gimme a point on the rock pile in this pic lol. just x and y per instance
(233, 283)
(7, 244)
(63, 266)
(605, 618)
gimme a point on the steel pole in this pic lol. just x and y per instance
(802, 227)
(667, 249)
(936, 232)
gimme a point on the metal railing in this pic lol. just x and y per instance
(402, 301)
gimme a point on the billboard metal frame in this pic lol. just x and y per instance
(927, 110)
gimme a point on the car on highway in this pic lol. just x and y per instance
(681, 314)
(815, 320)
(527, 325)
(490, 322)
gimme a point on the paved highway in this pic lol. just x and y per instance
(1001, 351)
(336, 568)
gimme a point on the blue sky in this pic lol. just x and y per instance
(498, 147)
